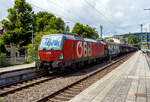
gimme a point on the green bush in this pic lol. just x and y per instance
(3, 60)
(32, 53)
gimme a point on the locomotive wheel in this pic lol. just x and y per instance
(79, 65)
(73, 66)
(46, 70)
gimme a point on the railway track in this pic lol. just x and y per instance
(68, 92)
(13, 87)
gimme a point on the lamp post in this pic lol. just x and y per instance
(141, 25)
(101, 31)
(32, 41)
(32, 36)
(66, 26)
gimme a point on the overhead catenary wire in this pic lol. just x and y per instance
(66, 18)
(100, 13)
(50, 12)
(106, 19)
(107, 10)
(66, 11)
(57, 14)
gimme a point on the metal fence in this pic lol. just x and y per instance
(7, 60)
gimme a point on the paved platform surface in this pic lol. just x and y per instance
(130, 82)
(17, 67)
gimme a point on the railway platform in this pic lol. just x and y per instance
(17, 73)
(17, 67)
(130, 82)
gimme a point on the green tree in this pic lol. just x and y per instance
(90, 32)
(41, 20)
(132, 39)
(110, 40)
(45, 22)
(2, 47)
(19, 24)
(78, 28)
(85, 31)
(55, 24)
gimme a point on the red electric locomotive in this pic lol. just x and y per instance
(58, 51)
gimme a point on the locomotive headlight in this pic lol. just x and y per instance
(61, 56)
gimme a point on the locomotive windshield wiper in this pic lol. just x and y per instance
(51, 49)
(44, 48)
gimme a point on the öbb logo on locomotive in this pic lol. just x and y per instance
(83, 49)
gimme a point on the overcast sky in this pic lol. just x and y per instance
(116, 16)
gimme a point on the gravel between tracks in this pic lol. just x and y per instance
(32, 94)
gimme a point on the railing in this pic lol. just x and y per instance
(4, 61)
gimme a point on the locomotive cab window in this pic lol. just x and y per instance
(52, 42)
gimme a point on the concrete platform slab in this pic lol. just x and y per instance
(130, 82)
(17, 73)
(17, 67)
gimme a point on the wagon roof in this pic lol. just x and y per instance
(89, 40)
(112, 43)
